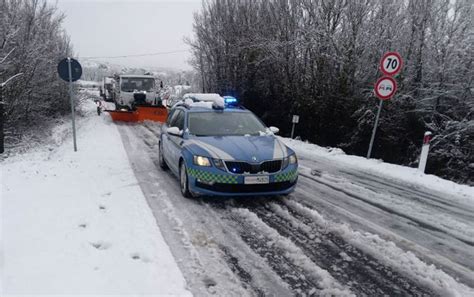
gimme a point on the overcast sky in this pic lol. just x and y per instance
(116, 28)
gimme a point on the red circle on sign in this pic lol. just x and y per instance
(398, 66)
(385, 87)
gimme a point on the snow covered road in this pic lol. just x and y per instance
(314, 242)
(438, 227)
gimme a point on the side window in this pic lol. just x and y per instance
(170, 115)
(179, 120)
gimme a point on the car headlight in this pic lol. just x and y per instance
(219, 164)
(291, 159)
(201, 161)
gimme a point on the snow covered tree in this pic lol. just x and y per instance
(33, 29)
(319, 59)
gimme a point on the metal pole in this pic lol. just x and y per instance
(374, 130)
(72, 104)
(292, 130)
(2, 149)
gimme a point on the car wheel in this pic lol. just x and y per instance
(183, 180)
(161, 158)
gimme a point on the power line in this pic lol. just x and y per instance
(137, 55)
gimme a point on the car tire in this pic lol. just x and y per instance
(161, 158)
(183, 180)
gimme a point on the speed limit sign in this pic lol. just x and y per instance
(391, 63)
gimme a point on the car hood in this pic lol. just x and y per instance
(241, 148)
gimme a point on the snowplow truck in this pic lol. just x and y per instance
(136, 90)
(137, 99)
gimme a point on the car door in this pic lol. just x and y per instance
(176, 142)
(165, 137)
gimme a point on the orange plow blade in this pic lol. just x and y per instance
(143, 113)
(123, 116)
(152, 113)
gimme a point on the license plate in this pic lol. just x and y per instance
(261, 179)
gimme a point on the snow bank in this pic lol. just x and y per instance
(78, 223)
(378, 167)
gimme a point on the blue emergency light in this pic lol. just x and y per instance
(230, 101)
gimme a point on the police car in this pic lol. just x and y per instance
(218, 148)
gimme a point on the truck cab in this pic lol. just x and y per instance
(135, 90)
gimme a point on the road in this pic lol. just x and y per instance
(301, 245)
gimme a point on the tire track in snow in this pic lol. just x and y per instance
(388, 253)
(421, 223)
(363, 274)
(370, 182)
(286, 258)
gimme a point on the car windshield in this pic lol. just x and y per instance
(130, 84)
(224, 123)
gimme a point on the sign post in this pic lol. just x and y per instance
(372, 138)
(70, 70)
(295, 120)
(385, 87)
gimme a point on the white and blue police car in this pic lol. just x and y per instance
(218, 148)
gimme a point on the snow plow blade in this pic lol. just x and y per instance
(143, 113)
(152, 113)
(123, 115)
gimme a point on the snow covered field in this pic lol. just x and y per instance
(108, 220)
(78, 223)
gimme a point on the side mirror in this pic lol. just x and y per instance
(174, 131)
(274, 130)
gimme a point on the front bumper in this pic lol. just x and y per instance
(215, 182)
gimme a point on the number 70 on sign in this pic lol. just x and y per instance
(391, 63)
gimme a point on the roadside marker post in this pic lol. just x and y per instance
(424, 151)
(295, 120)
(385, 87)
(70, 70)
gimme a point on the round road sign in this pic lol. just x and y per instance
(391, 63)
(63, 69)
(385, 87)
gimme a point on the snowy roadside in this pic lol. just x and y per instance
(78, 223)
(404, 174)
